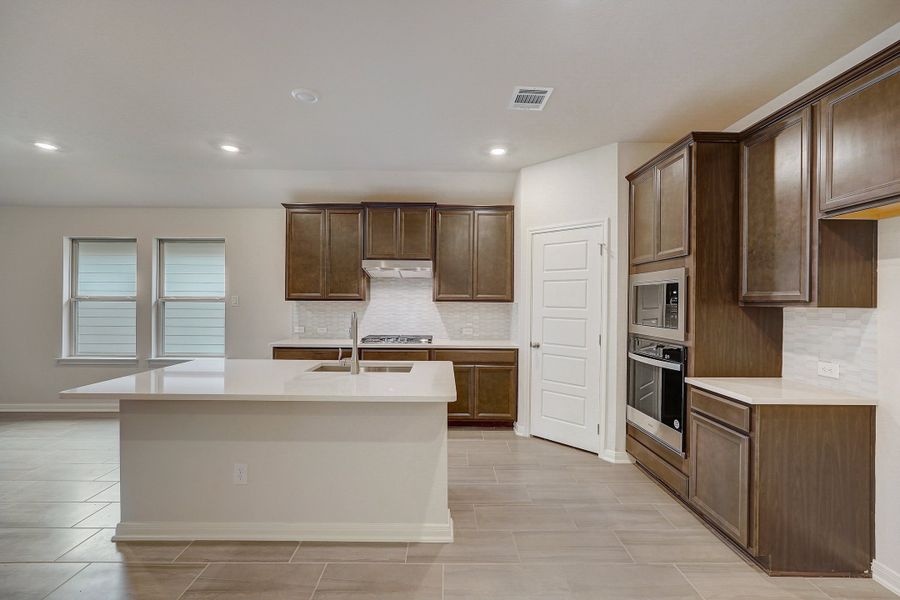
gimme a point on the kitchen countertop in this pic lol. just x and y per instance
(266, 380)
(775, 390)
(298, 342)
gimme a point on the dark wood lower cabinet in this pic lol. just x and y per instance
(486, 379)
(720, 473)
(792, 487)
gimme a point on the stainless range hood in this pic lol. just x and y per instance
(398, 269)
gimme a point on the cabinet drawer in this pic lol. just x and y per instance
(379, 354)
(308, 353)
(665, 472)
(726, 411)
(479, 357)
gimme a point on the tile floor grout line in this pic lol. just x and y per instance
(86, 565)
(294, 553)
(177, 556)
(689, 582)
(193, 581)
(318, 581)
(75, 526)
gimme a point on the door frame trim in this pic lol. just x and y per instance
(523, 425)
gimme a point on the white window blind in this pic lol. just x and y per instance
(103, 291)
(191, 300)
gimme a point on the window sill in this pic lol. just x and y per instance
(97, 360)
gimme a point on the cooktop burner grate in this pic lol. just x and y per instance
(397, 339)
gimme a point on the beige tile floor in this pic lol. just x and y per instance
(533, 520)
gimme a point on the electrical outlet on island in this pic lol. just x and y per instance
(240, 474)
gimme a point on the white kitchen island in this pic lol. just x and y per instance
(329, 456)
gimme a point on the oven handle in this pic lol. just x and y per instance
(654, 362)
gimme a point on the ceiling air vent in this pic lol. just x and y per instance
(530, 98)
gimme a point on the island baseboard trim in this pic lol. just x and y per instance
(61, 407)
(277, 532)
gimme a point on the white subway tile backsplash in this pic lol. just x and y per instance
(406, 307)
(847, 336)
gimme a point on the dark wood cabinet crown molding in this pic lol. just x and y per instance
(873, 62)
(678, 146)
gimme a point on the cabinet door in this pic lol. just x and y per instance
(493, 255)
(775, 212)
(495, 388)
(859, 140)
(304, 277)
(288, 353)
(720, 471)
(344, 279)
(464, 407)
(416, 224)
(672, 181)
(643, 218)
(381, 232)
(453, 275)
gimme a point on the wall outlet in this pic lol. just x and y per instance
(240, 474)
(829, 369)
(321, 330)
(235, 300)
(300, 329)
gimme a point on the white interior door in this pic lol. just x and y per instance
(565, 336)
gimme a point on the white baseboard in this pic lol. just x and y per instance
(69, 407)
(886, 576)
(520, 430)
(616, 456)
(312, 532)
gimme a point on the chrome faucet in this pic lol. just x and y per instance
(354, 354)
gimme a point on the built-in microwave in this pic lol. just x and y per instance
(656, 304)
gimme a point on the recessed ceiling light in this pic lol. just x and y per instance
(229, 148)
(305, 95)
(498, 151)
(47, 146)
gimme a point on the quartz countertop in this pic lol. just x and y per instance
(775, 390)
(299, 342)
(266, 380)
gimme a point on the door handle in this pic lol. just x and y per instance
(535, 344)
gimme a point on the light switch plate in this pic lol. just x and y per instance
(235, 300)
(829, 369)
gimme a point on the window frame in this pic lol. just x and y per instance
(75, 297)
(161, 299)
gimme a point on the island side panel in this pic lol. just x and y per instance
(329, 471)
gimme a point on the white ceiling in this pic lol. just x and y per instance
(412, 91)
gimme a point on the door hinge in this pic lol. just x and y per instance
(598, 428)
(600, 339)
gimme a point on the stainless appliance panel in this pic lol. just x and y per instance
(657, 304)
(656, 390)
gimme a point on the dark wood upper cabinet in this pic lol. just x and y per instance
(323, 253)
(673, 185)
(660, 200)
(474, 254)
(493, 266)
(776, 206)
(399, 232)
(643, 218)
(454, 254)
(859, 141)
(305, 254)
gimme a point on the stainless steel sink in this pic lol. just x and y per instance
(363, 369)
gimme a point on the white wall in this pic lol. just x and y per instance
(584, 187)
(31, 297)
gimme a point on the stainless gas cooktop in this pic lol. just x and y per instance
(397, 339)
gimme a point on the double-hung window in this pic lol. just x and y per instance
(102, 299)
(191, 298)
